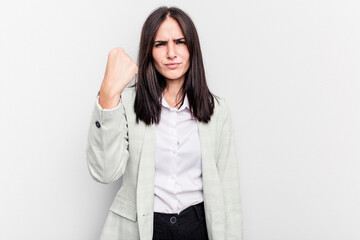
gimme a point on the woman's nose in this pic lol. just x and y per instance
(171, 51)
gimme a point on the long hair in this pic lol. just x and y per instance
(150, 83)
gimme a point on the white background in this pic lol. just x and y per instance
(290, 70)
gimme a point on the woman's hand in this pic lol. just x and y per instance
(120, 70)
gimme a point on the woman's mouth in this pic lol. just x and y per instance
(172, 65)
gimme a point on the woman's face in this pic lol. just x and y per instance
(170, 53)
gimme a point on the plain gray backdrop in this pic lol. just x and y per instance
(288, 68)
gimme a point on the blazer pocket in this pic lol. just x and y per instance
(124, 208)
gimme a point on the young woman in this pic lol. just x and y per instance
(168, 137)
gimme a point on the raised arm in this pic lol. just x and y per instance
(107, 149)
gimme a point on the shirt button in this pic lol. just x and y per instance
(97, 124)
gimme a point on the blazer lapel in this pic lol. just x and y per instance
(213, 199)
(145, 184)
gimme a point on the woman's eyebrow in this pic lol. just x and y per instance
(175, 40)
(179, 39)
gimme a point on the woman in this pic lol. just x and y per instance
(169, 138)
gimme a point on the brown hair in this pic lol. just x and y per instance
(150, 83)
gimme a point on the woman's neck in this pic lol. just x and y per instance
(171, 92)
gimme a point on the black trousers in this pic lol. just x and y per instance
(187, 225)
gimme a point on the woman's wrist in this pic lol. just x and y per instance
(108, 100)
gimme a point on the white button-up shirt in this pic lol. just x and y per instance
(178, 174)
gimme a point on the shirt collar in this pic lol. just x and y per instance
(185, 104)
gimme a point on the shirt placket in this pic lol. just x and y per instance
(174, 157)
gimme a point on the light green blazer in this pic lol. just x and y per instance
(120, 147)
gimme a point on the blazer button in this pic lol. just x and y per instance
(97, 124)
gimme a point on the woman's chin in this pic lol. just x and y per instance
(173, 77)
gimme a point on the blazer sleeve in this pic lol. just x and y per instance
(228, 171)
(107, 145)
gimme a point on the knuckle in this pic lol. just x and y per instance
(116, 51)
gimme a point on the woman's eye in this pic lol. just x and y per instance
(181, 42)
(159, 44)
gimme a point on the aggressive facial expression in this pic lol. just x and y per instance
(170, 53)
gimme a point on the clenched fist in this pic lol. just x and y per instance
(120, 70)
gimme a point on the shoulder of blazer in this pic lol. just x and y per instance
(128, 95)
(221, 109)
